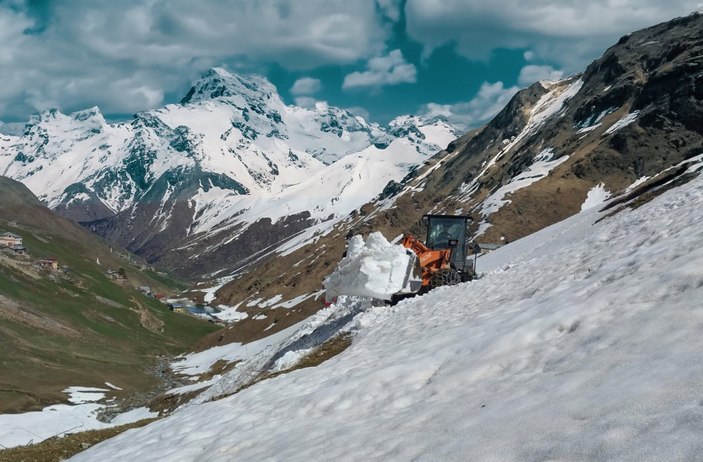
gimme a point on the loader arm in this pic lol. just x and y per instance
(430, 260)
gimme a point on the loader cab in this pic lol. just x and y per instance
(448, 232)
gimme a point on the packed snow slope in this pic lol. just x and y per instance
(581, 342)
(228, 172)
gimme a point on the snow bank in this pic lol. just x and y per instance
(595, 197)
(82, 395)
(375, 268)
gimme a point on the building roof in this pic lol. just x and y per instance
(11, 235)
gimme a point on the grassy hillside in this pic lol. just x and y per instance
(76, 326)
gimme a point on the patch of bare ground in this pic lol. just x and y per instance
(57, 449)
(530, 209)
(148, 319)
(166, 403)
(20, 265)
(220, 367)
(12, 310)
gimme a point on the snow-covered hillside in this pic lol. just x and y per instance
(231, 153)
(580, 342)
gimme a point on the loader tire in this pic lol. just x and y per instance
(445, 277)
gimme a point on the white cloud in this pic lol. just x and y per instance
(569, 33)
(533, 73)
(391, 69)
(306, 86)
(390, 8)
(124, 56)
(305, 101)
(359, 111)
(490, 99)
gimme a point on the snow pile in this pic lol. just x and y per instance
(82, 395)
(376, 269)
(596, 196)
(581, 343)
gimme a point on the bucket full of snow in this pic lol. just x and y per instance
(375, 269)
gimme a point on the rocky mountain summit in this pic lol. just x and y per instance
(204, 185)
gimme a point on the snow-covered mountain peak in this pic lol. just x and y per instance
(436, 130)
(92, 114)
(54, 118)
(221, 83)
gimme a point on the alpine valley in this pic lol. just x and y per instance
(583, 323)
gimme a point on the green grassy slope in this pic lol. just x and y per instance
(77, 327)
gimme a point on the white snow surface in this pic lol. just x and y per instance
(199, 363)
(595, 197)
(543, 164)
(624, 122)
(56, 420)
(581, 342)
(82, 395)
(63, 419)
(375, 268)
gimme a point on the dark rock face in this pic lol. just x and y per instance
(654, 76)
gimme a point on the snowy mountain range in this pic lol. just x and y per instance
(227, 173)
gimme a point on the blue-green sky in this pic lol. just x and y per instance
(380, 58)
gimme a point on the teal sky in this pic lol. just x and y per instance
(462, 59)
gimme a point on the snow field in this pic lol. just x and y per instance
(582, 342)
(63, 419)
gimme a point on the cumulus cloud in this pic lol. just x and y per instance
(391, 69)
(305, 101)
(306, 86)
(390, 8)
(359, 111)
(125, 56)
(490, 99)
(533, 73)
(568, 33)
